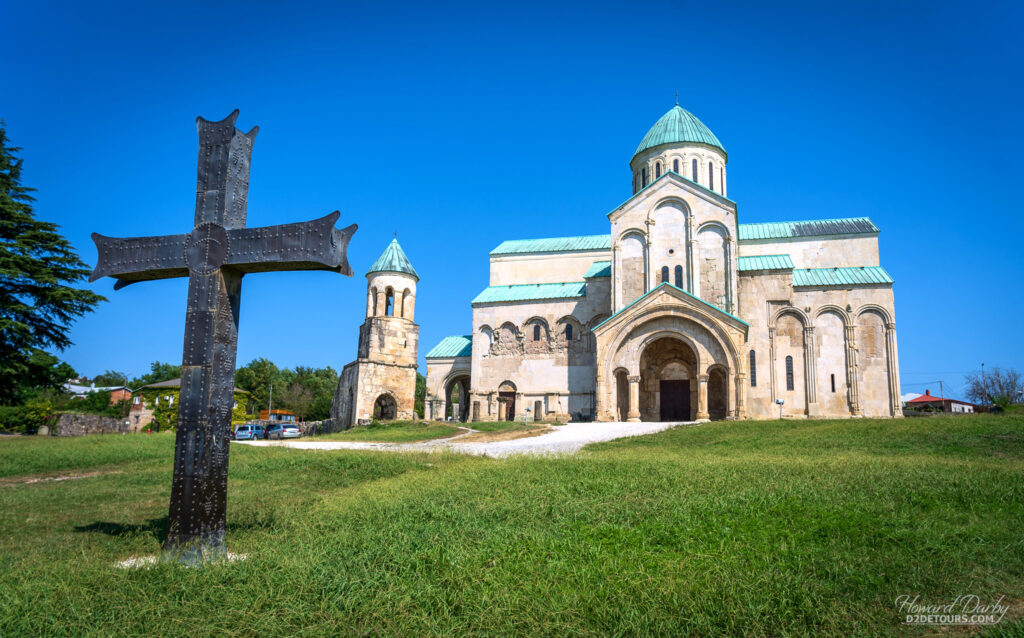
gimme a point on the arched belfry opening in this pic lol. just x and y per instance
(668, 380)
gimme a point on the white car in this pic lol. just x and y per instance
(283, 431)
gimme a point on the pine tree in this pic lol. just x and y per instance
(37, 302)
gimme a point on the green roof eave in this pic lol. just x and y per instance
(746, 326)
(578, 243)
(452, 347)
(767, 231)
(663, 176)
(599, 269)
(531, 292)
(764, 262)
(841, 277)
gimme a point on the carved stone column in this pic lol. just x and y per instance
(382, 304)
(702, 398)
(741, 395)
(852, 370)
(691, 243)
(771, 362)
(633, 416)
(730, 273)
(893, 370)
(371, 300)
(810, 371)
(396, 310)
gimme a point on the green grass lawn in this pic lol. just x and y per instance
(393, 432)
(744, 528)
(503, 426)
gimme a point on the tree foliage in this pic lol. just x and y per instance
(998, 386)
(308, 392)
(158, 371)
(421, 394)
(37, 301)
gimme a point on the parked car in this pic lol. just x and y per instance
(283, 431)
(248, 432)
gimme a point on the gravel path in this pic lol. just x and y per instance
(562, 439)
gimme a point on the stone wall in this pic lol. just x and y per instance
(80, 424)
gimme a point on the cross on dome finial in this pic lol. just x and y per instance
(677, 97)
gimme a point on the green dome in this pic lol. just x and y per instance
(678, 126)
(393, 259)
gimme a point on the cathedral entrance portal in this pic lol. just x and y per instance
(668, 373)
(507, 401)
(675, 400)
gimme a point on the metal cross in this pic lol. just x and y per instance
(215, 256)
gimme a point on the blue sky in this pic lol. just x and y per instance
(459, 126)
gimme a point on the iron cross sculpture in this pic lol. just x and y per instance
(215, 256)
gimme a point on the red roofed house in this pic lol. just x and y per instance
(942, 404)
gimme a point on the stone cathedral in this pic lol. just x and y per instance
(680, 313)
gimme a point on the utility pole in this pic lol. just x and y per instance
(942, 394)
(270, 403)
(984, 387)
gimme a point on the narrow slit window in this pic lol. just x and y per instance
(536, 332)
(721, 179)
(753, 369)
(711, 176)
(568, 332)
(833, 382)
(657, 170)
(664, 274)
(789, 373)
(679, 276)
(389, 304)
(693, 175)
(643, 178)
(675, 166)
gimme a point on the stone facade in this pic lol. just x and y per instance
(681, 313)
(381, 383)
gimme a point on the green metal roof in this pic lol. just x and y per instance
(599, 269)
(554, 245)
(858, 276)
(765, 262)
(692, 296)
(678, 126)
(454, 346)
(530, 292)
(811, 228)
(393, 259)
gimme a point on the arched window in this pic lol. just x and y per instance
(536, 332)
(664, 274)
(789, 373)
(675, 166)
(568, 332)
(711, 176)
(693, 175)
(657, 170)
(753, 369)
(389, 303)
(636, 178)
(679, 276)
(721, 179)
(833, 383)
(643, 178)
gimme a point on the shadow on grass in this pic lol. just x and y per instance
(154, 526)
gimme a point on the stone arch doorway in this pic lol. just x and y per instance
(385, 408)
(718, 393)
(456, 398)
(668, 386)
(507, 401)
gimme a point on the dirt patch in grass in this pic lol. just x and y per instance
(504, 435)
(28, 480)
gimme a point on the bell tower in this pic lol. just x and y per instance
(380, 384)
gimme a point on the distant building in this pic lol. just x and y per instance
(942, 404)
(157, 401)
(117, 392)
(283, 416)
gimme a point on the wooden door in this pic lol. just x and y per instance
(510, 405)
(675, 400)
